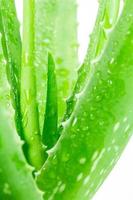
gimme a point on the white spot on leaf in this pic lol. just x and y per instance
(116, 127)
(127, 127)
(82, 161)
(95, 155)
(62, 188)
(80, 176)
(86, 180)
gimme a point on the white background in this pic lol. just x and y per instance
(119, 184)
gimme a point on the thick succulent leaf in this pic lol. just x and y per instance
(106, 19)
(100, 125)
(33, 149)
(56, 31)
(16, 181)
(49, 136)
(11, 43)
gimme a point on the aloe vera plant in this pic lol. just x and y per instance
(69, 158)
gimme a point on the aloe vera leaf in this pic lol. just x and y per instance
(101, 124)
(49, 136)
(16, 181)
(56, 32)
(29, 108)
(106, 19)
(11, 43)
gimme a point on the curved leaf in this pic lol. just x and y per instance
(11, 43)
(49, 136)
(33, 149)
(100, 125)
(56, 32)
(16, 181)
(105, 23)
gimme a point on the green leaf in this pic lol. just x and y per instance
(56, 32)
(101, 124)
(16, 181)
(11, 43)
(34, 149)
(106, 19)
(49, 136)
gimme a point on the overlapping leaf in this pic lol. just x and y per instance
(56, 31)
(34, 149)
(101, 124)
(16, 181)
(106, 19)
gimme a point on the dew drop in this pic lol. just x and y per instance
(74, 121)
(80, 176)
(116, 127)
(7, 189)
(62, 188)
(125, 119)
(86, 180)
(82, 161)
(112, 61)
(65, 157)
(95, 155)
(127, 128)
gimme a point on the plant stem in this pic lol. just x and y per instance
(29, 107)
